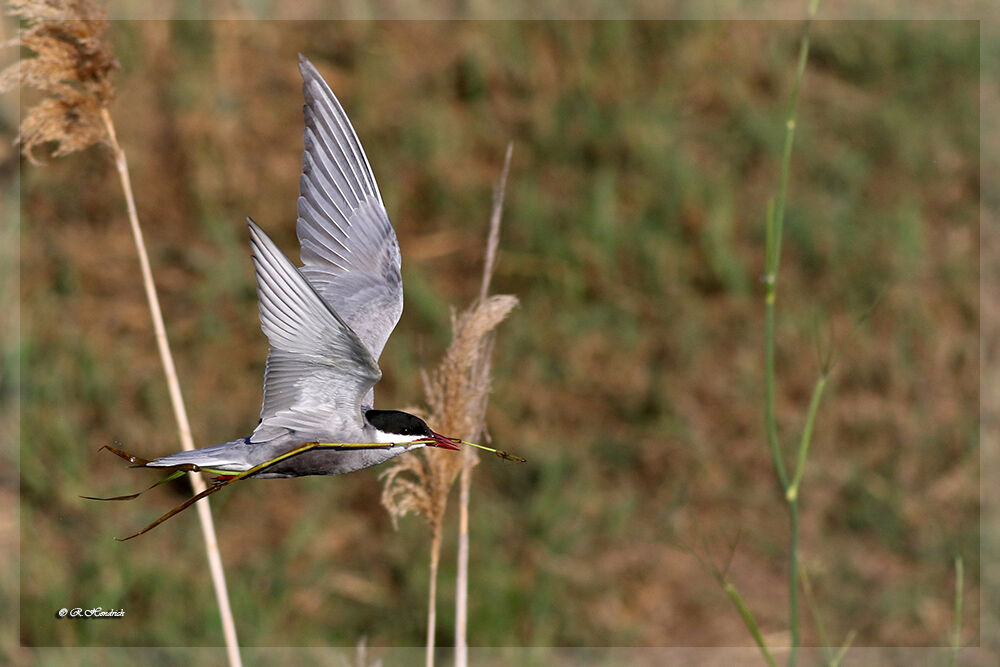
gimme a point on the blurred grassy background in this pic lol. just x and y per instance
(631, 375)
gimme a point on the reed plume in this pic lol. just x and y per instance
(72, 66)
(457, 392)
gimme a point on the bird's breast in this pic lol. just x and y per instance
(330, 462)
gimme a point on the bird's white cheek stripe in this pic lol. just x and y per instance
(387, 438)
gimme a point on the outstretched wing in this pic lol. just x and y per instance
(349, 248)
(318, 369)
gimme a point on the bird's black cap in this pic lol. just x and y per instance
(398, 422)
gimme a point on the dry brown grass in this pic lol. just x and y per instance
(72, 65)
(457, 394)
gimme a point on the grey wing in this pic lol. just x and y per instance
(349, 249)
(318, 369)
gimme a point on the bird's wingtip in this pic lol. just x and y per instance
(257, 234)
(306, 68)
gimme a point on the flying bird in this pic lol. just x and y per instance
(326, 322)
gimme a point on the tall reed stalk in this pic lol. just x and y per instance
(176, 400)
(469, 457)
(457, 392)
(72, 66)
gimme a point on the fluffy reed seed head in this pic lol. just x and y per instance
(72, 66)
(457, 393)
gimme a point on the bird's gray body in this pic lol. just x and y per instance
(326, 321)
(243, 454)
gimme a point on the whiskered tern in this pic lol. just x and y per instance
(326, 322)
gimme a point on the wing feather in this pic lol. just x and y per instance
(349, 249)
(318, 370)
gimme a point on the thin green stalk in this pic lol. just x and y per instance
(749, 620)
(800, 464)
(956, 632)
(793, 578)
(793, 107)
(774, 226)
(817, 619)
(843, 649)
(770, 282)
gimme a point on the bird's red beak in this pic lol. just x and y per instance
(444, 442)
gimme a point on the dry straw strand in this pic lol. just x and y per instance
(72, 67)
(469, 457)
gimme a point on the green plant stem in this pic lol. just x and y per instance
(770, 295)
(748, 619)
(848, 640)
(793, 578)
(770, 420)
(773, 234)
(817, 619)
(793, 108)
(800, 465)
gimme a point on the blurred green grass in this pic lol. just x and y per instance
(630, 376)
